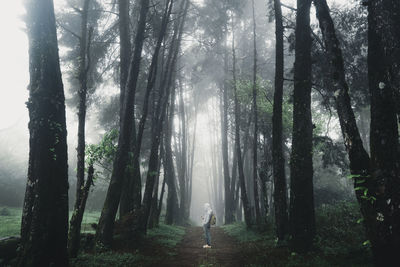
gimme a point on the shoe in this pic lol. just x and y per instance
(205, 246)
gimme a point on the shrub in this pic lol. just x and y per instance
(340, 229)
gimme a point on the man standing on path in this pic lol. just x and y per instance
(206, 224)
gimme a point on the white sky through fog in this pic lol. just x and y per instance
(14, 73)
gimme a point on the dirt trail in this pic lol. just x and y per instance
(225, 250)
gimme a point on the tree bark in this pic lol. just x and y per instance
(255, 114)
(82, 93)
(172, 198)
(84, 64)
(278, 160)
(105, 227)
(246, 205)
(264, 173)
(302, 215)
(183, 162)
(124, 44)
(229, 218)
(133, 184)
(168, 79)
(127, 199)
(358, 156)
(383, 80)
(74, 235)
(44, 224)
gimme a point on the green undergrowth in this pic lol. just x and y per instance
(339, 241)
(241, 233)
(159, 244)
(10, 221)
(340, 230)
(167, 235)
(107, 259)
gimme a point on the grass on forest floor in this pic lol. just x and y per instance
(159, 243)
(10, 221)
(167, 235)
(339, 241)
(107, 259)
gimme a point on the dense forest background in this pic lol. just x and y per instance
(275, 112)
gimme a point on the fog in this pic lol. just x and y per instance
(14, 78)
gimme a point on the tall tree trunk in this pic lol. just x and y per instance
(154, 205)
(172, 198)
(169, 81)
(191, 159)
(383, 78)
(44, 223)
(127, 197)
(246, 205)
(358, 156)
(183, 163)
(302, 215)
(255, 114)
(84, 43)
(106, 223)
(264, 174)
(74, 235)
(278, 160)
(160, 202)
(125, 46)
(229, 218)
(82, 94)
(133, 187)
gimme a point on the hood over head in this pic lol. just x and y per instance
(207, 206)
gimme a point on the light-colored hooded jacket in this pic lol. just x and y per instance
(207, 213)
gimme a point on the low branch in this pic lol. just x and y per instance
(288, 7)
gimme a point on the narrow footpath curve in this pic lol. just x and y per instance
(225, 250)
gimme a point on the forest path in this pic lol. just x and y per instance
(225, 250)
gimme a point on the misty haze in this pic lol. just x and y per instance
(200, 133)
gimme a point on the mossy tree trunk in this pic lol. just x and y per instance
(105, 227)
(302, 214)
(278, 160)
(44, 224)
(383, 80)
(74, 235)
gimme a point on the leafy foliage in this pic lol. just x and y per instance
(103, 153)
(332, 152)
(340, 241)
(340, 230)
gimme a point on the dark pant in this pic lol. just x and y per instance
(207, 234)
